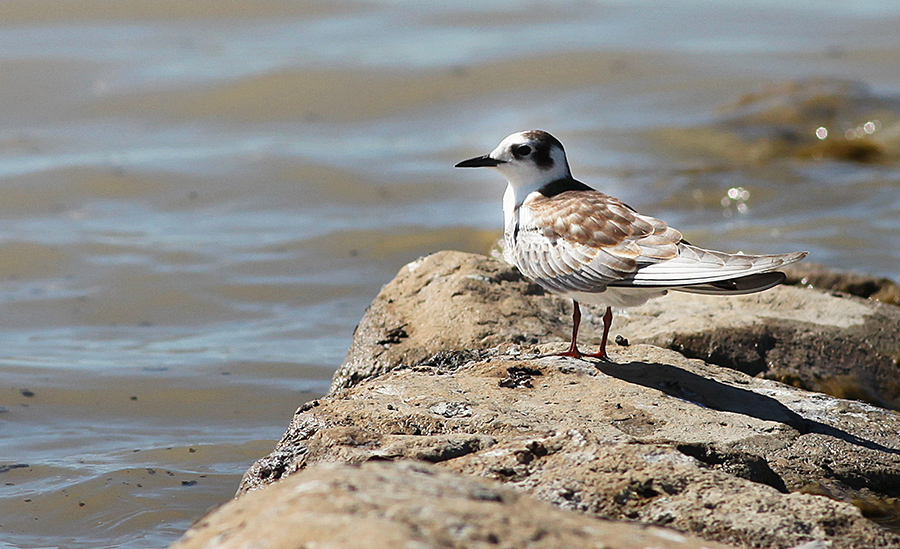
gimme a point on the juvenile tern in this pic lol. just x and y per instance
(583, 244)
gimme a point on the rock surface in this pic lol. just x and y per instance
(448, 301)
(836, 344)
(656, 438)
(839, 345)
(411, 505)
(812, 275)
(446, 368)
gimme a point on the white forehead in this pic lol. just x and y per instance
(528, 171)
(518, 138)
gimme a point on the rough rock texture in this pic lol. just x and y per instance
(448, 301)
(656, 438)
(839, 345)
(411, 505)
(446, 369)
(836, 344)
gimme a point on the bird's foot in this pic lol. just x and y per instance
(575, 353)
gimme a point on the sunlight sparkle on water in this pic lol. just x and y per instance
(737, 198)
(863, 130)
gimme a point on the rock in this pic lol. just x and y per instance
(450, 301)
(836, 344)
(413, 505)
(446, 370)
(655, 438)
(810, 118)
(812, 275)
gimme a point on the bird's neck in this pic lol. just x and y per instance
(517, 193)
(510, 206)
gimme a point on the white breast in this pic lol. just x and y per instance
(510, 220)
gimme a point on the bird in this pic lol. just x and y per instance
(576, 241)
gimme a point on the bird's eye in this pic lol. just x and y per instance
(522, 150)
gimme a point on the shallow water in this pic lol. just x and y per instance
(199, 199)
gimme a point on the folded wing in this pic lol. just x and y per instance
(584, 241)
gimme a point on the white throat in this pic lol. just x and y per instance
(525, 177)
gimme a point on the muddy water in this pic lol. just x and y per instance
(198, 200)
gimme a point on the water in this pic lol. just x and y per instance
(199, 199)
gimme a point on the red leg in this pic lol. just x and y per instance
(576, 321)
(607, 324)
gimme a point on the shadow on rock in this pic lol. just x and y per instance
(713, 394)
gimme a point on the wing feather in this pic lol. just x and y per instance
(584, 241)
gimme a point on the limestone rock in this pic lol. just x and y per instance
(837, 344)
(655, 438)
(446, 370)
(448, 301)
(410, 505)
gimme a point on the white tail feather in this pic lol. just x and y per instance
(696, 266)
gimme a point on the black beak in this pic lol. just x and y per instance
(480, 162)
